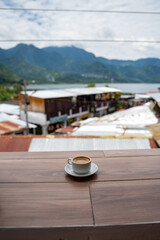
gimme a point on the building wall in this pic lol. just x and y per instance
(55, 105)
(36, 104)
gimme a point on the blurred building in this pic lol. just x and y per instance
(49, 108)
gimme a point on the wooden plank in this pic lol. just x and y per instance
(110, 169)
(147, 231)
(93, 154)
(50, 155)
(52, 170)
(126, 202)
(45, 204)
(34, 170)
(66, 154)
(132, 153)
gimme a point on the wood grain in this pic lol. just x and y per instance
(48, 155)
(45, 204)
(39, 200)
(93, 154)
(132, 153)
(52, 170)
(128, 168)
(126, 202)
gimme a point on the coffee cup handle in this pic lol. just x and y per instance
(70, 161)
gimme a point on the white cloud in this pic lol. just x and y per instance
(68, 25)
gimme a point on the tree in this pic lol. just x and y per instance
(91, 85)
(17, 88)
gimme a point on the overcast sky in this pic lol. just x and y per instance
(77, 25)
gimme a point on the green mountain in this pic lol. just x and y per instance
(73, 53)
(27, 71)
(7, 76)
(72, 64)
(145, 74)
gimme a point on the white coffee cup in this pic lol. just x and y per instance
(80, 164)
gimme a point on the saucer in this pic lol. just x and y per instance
(68, 169)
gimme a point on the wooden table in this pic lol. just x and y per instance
(38, 200)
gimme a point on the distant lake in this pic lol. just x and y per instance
(125, 87)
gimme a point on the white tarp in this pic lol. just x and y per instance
(130, 122)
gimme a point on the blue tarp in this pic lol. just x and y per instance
(56, 119)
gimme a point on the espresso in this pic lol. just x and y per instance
(81, 160)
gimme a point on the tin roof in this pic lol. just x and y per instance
(70, 92)
(142, 96)
(9, 127)
(70, 144)
(19, 143)
(5, 117)
(23, 143)
(9, 109)
(155, 96)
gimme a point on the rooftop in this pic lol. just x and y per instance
(9, 109)
(70, 92)
(155, 96)
(34, 143)
(9, 124)
(130, 122)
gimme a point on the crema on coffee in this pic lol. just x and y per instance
(81, 160)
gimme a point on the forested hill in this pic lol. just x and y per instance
(72, 64)
(7, 76)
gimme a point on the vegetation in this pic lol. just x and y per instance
(72, 65)
(91, 85)
(7, 91)
(7, 76)
(26, 70)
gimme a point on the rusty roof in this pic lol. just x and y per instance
(7, 127)
(19, 143)
(14, 144)
(22, 143)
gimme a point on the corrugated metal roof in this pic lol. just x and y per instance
(155, 96)
(70, 144)
(142, 96)
(15, 143)
(9, 127)
(21, 143)
(10, 109)
(5, 117)
(70, 92)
